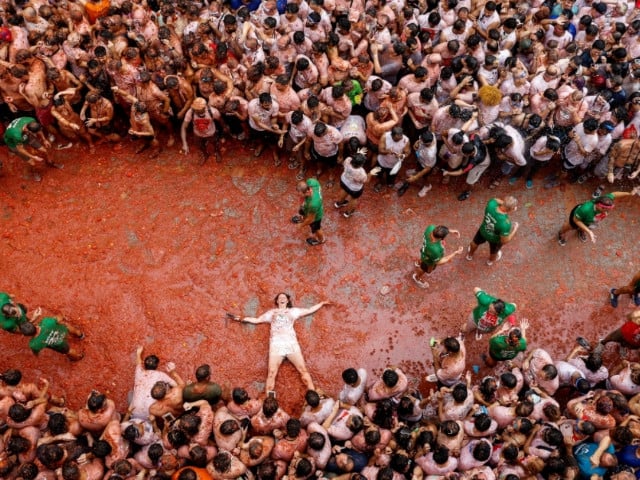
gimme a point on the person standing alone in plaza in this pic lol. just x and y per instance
(312, 210)
(496, 228)
(432, 252)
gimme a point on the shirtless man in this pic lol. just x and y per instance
(168, 399)
(448, 361)
(97, 113)
(181, 94)
(270, 417)
(70, 124)
(241, 406)
(226, 430)
(11, 79)
(97, 413)
(378, 123)
(140, 124)
(158, 104)
(206, 416)
(392, 384)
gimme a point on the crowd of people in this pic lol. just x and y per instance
(394, 91)
(458, 86)
(530, 417)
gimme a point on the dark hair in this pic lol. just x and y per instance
(11, 377)
(508, 379)
(18, 413)
(293, 427)
(312, 398)
(390, 377)
(239, 395)
(57, 424)
(482, 451)
(451, 344)
(151, 362)
(155, 452)
(441, 454)
(269, 406)
(229, 427)
(101, 449)
(203, 372)
(459, 392)
(316, 441)
(482, 422)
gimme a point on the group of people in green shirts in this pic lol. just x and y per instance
(51, 332)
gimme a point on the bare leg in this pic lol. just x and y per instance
(274, 365)
(298, 361)
(472, 249)
(320, 235)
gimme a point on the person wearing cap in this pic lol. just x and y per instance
(203, 119)
(592, 211)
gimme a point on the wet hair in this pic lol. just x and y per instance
(450, 428)
(458, 138)
(399, 462)
(177, 437)
(385, 473)
(11, 377)
(18, 413)
(265, 97)
(293, 427)
(451, 344)
(151, 362)
(159, 390)
(524, 408)
(604, 405)
(198, 456)
(122, 467)
(28, 471)
(508, 380)
(229, 427)
(482, 451)
(622, 435)
(267, 470)
(187, 474)
(552, 412)
(441, 455)
(70, 470)
(403, 437)
(552, 436)
(510, 452)
(239, 395)
(203, 372)
(303, 468)
(302, 64)
(155, 452)
(460, 392)
(269, 406)
(550, 371)
(57, 424)
(50, 455)
(468, 148)
(17, 445)
(312, 398)
(583, 385)
(222, 462)
(131, 433)
(372, 436)
(358, 160)
(316, 441)
(101, 449)
(389, 376)
(319, 129)
(482, 422)
(590, 125)
(356, 423)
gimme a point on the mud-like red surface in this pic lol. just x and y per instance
(153, 252)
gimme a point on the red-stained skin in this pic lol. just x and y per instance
(153, 252)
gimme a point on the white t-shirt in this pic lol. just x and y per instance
(353, 178)
(589, 142)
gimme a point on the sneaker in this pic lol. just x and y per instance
(561, 240)
(584, 343)
(583, 236)
(469, 257)
(636, 299)
(498, 258)
(464, 196)
(513, 180)
(416, 264)
(529, 184)
(348, 213)
(314, 241)
(583, 178)
(378, 188)
(613, 298)
(431, 378)
(341, 203)
(598, 191)
(423, 191)
(403, 188)
(420, 283)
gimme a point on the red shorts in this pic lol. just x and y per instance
(44, 115)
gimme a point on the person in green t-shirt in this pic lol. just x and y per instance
(13, 316)
(489, 314)
(432, 252)
(312, 210)
(593, 211)
(496, 228)
(24, 137)
(507, 343)
(53, 333)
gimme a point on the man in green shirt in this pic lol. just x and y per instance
(592, 211)
(432, 252)
(25, 138)
(489, 314)
(13, 316)
(312, 210)
(506, 343)
(53, 333)
(496, 228)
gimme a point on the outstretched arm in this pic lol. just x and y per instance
(303, 312)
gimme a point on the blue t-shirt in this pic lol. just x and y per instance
(582, 453)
